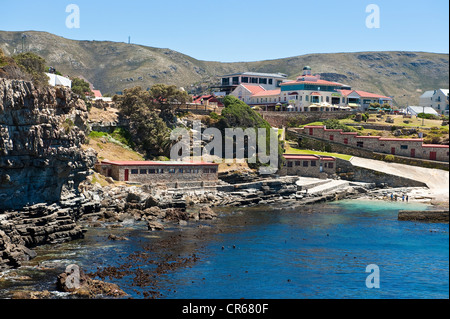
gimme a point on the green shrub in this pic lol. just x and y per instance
(95, 134)
(389, 158)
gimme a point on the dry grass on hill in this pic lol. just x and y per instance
(109, 150)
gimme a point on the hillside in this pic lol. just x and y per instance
(113, 66)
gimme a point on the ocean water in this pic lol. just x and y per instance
(317, 251)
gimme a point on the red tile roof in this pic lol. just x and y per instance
(268, 93)
(97, 93)
(320, 82)
(254, 89)
(308, 157)
(435, 145)
(153, 163)
(364, 94)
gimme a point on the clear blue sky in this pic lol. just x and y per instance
(242, 30)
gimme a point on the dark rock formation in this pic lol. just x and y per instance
(41, 131)
(41, 167)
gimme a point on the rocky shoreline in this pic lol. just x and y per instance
(111, 206)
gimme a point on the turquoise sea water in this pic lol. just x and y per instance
(318, 251)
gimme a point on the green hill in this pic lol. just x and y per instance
(114, 66)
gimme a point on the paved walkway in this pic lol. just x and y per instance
(437, 180)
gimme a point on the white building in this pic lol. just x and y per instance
(416, 110)
(55, 80)
(244, 92)
(437, 99)
(268, 81)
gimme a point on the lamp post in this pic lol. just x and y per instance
(423, 115)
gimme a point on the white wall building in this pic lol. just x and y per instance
(437, 99)
(55, 80)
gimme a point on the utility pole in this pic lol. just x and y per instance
(423, 115)
(129, 39)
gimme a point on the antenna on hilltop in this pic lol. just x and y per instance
(129, 39)
(23, 41)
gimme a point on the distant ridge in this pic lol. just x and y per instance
(114, 66)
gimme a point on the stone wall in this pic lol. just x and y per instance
(407, 147)
(280, 119)
(347, 171)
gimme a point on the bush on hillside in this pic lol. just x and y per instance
(34, 65)
(334, 124)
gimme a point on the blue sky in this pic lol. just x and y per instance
(242, 30)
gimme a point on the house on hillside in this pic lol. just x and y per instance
(207, 100)
(55, 80)
(308, 165)
(269, 81)
(362, 100)
(437, 99)
(244, 92)
(416, 110)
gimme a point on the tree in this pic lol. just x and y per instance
(33, 65)
(149, 132)
(81, 87)
(167, 98)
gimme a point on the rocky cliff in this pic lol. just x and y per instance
(41, 131)
(41, 167)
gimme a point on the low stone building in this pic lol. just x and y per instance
(408, 147)
(171, 174)
(308, 165)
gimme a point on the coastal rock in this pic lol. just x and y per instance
(207, 213)
(75, 281)
(154, 225)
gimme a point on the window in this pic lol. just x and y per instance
(325, 165)
(328, 99)
(307, 98)
(360, 144)
(235, 80)
(330, 165)
(305, 163)
(143, 171)
(244, 79)
(134, 171)
(297, 163)
(180, 170)
(313, 163)
(152, 171)
(225, 81)
(262, 81)
(289, 164)
(171, 170)
(270, 81)
(404, 147)
(160, 170)
(254, 80)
